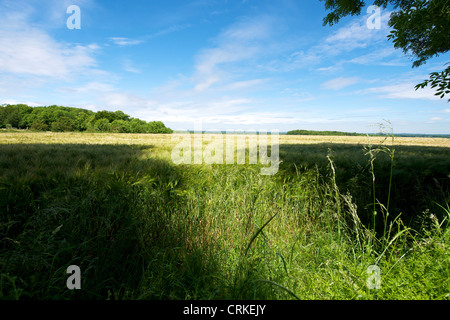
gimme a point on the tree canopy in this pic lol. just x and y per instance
(420, 28)
(60, 119)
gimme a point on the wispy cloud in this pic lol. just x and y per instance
(239, 43)
(340, 83)
(402, 90)
(119, 99)
(246, 84)
(387, 56)
(328, 69)
(349, 39)
(129, 66)
(357, 35)
(120, 41)
(28, 51)
(124, 41)
(90, 87)
(168, 30)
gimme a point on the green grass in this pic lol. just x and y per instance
(140, 227)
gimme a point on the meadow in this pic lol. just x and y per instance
(141, 227)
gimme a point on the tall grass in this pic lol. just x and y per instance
(140, 227)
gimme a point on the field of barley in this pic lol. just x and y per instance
(343, 218)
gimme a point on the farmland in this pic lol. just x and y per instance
(141, 227)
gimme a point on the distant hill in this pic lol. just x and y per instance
(66, 119)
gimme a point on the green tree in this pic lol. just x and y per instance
(120, 126)
(59, 118)
(63, 124)
(420, 28)
(82, 120)
(121, 116)
(111, 116)
(38, 125)
(157, 127)
(28, 119)
(45, 116)
(138, 126)
(12, 118)
(102, 125)
(13, 115)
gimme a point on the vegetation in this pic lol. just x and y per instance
(322, 133)
(354, 134)
(140, 227)
(419, 29)
(66, 119)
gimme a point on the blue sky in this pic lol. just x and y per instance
(233, 65)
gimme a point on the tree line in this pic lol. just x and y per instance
(322, 133)
(65, 119)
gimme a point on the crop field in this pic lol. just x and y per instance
(343, 218)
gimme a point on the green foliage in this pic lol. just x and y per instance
(322, 133)
(157, 127)
(120, 126)
(64, 119)
(419, 28)
(422, 29)
(111, 116)
(81, 121)
(63, 124)
(13, 115)
(138, 126)
(440, 80)
(102, 125)
(38, 125)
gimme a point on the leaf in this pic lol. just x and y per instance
(258, 232)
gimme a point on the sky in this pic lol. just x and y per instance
(229, 65)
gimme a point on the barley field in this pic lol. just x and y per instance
(343, 218)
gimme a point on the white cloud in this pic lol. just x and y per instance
(27, 50)
(349, 38)
(171, 29)
(128, 66)
(387, 56)
(28, 103)
(340, 83)
(298, 94)
(241, 42)
(404, 90)
(355, 35)
(34, 52)
(90, 87)
(246, 84)
(297, 60)
(125, 41)
(326, 69)
(208, 67)
(126, 100)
